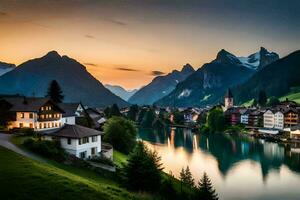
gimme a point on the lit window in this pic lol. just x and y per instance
(22, 115)
(30, 115)
(21, 125)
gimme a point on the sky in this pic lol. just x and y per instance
(129, 42)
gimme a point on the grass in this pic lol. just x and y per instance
(291, 96)
(24, 178)
(119, 158)
(248, 103)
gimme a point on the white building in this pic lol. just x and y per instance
(72, 110)
(245, 116)
(269, 120)
(37, 113)
(273, 120)
(80, 141)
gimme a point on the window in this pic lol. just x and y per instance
(94, 150)
(30, 125)
(94, 138)
(30, 115)
(69, 141)
(42, 108)
(45, 125)
(83, 140)
(22, 115)
(41, 126)
(49, 125)
(50, 108)
(82, 154)
(21, 125)
(42, 116)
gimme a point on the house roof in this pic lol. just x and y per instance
(29, 104)
(69, 108)
(75, 131)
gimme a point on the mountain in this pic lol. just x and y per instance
(259, 60)
(276, 79)
(121, 92)
(5, 67)
(208, 84)
(160, 86)
(33, 77)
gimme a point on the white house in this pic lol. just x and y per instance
(72, 110)
(269, 120)
(273, 119)
(279, 120)
(31, 112)
(245, 116)
(80, 141)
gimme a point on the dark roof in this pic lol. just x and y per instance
(228, 94)
(69, 108)
(29, 104)
(75, 131)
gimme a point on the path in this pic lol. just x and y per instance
(5, 141)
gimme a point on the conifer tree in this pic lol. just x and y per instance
(186, 177)
(206, 190)
(54, 92)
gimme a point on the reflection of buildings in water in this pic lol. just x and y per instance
(245, 148)
(195, 142)
(171, 139)
(273, 151)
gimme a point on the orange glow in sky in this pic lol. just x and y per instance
(122, 43)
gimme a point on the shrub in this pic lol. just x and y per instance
(103, 160)
(48, 149)
(121, 133)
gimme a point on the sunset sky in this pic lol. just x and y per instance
(128, 42)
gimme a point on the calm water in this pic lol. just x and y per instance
(240, 167)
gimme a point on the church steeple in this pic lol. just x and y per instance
(228, 99)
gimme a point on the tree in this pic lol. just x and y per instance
(148, 118)
(216, 120)
(178, 117)
(115, 111)
(254, 103)
(168, 190)
(262, 98)
(121, 133)
(54, 92)
(202, 118)
(206, 190)
(186, 177)
(273, 101)
(143, 169)
(4, 112)
(133, 112)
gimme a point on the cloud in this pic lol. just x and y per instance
(126, 69)
(157, 73)
(117, 22)
(91, 64)
(90, 36)
(3, 13)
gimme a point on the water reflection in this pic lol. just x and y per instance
(233, 162)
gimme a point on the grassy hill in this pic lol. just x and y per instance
(23, 178)
(291, 96)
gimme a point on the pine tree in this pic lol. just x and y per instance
(115, 111)
(262, 98)
(186, 177)
(143, 169)
(133, 112)
(206, 190)
(54, 92)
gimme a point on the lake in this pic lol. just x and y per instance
(240, 167)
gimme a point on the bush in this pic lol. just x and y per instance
(121, 133)
(103, 160)
(48, 149)
(24, 131)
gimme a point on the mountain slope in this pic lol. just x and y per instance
(5, 67)
(208, 84)
(121, 92)
(276, 79)
(32, 78)
(160, 86)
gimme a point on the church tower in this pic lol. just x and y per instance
(228, 100)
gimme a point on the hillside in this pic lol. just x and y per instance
(33, 77)
(6, 67)
(208, 84)
(23, 178)
(160, 86)
(276, 79)
(120, 91)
